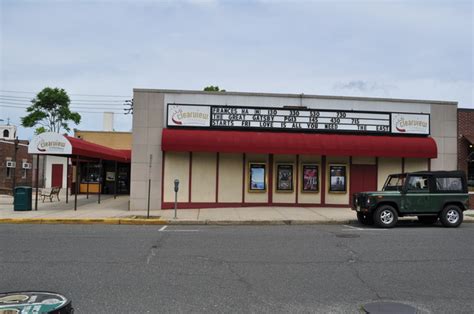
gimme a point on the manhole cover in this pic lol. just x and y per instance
(34, 302)
(347, 235)
(388, 307)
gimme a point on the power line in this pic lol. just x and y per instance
(17, 98)
(75, 108)
(79, 111)
(87, 95)
(85, 106)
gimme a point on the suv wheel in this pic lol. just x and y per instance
(428, 220)
(451, 216)
(385, 216)
(365, 219)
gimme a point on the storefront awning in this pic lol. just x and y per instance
(88, 149)
(469, 138)
(297, 143)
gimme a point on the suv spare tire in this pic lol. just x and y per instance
(451, 216)
(385, 216)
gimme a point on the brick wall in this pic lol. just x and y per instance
(7, 152)
(465, 126)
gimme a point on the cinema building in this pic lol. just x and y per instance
(231, 149)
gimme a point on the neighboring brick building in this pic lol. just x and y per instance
(466, 146)
(13, 171)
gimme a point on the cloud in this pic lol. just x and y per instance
(400, 49)
(361, 86)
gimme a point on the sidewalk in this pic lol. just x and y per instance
(115, 211)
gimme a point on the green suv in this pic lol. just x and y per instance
(429, 195)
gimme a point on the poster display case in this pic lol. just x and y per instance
(257, 177)
(337, 179)
(284, 178)
(310, 178)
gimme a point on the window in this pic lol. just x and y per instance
(449, 184)
(394, 183)
(6, 133)
(24, 173)
(418, 184)
(9, 172)
(90, 173)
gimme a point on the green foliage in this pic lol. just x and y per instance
(212, 88)
(50, 110)
(40, 130)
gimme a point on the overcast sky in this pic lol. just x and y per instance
(399, 49)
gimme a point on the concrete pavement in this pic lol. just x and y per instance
(115, 211)
(241, 269)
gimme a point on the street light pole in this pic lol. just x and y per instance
(149, 187)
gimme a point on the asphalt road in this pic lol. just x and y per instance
(321, 268)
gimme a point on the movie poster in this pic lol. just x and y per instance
(285, 178)
(257, 177)
(337, 175)
(310, 178)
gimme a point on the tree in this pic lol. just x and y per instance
(212, 88)
(50, 110)
(40, 130)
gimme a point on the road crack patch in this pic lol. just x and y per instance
(353, 258)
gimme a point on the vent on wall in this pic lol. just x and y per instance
(11, 164)
(26, 165)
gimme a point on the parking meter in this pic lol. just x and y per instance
(176, 188)
(176, 185)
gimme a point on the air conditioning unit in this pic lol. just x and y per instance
(26, 165)
(11, 164)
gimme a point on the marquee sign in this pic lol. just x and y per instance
(50, 143)
(410, 123)
(188, 115)
(295, 119)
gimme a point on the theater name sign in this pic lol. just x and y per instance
(295, 119)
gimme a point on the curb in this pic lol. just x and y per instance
(144, 221)
(83, 221)
(154, 221)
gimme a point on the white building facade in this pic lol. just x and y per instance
(256, 149)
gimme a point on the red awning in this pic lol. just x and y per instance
(92, 150)
(297, 143)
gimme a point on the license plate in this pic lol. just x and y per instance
(358, 208)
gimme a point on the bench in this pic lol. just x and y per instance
(50, 193)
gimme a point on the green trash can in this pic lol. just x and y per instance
(22, 198)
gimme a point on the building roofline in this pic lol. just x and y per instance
(122, 132)
(465, 109)
(258, 94)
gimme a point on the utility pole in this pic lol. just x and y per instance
(16, 141)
